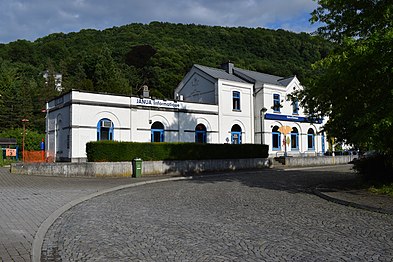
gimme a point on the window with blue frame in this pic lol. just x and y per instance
(276, 139)
(236, 134)
(105, 129)
(311, 139)
(295, 107)
(236, 100)
(276, 103)
(294, 139)
(157, 132)
(200, 134)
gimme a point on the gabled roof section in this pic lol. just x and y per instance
(286, 81)
(262, 77)
(246, 76)
(219, 73)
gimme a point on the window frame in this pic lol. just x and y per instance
(155, 130)
(202, 132)
(276, 103)
(295, 137)
(111, 130)
(295, 107)
(274, 134)
(236, 101)
(312, 137)
(236, 134)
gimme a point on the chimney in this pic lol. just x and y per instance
(228, 67)
(146, 91)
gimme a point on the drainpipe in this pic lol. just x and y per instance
(262, 118)
(263, 110)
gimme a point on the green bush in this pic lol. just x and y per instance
(378, 167)
(112, 151)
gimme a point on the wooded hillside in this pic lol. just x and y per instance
(122, 59)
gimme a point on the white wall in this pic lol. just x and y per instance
(85, 118)
(57, 143)
(131, 122)
(229, 117)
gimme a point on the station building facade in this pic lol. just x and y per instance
(211, 105)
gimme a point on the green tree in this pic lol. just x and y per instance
(32, 138)
(107, 76)
(353, 18)
(353, 85)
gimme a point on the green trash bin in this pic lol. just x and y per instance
(137, 167)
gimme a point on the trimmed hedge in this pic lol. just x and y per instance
(113, 151)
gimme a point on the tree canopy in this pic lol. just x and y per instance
(354, 84)
(353, 18)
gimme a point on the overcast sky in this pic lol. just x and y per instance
(32, 19)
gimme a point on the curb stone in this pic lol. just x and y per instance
(317, 191)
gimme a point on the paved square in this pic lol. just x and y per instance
(265, 215)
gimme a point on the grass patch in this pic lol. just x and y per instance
(385, 189)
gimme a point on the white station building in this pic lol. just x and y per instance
(227, 105)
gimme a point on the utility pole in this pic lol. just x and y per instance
(24, 121)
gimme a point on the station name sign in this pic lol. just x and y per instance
(293, 118)
(155, 103)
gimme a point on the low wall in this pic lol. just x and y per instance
(124, 169)
(314, 161)
(63, 169)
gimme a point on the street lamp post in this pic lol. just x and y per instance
(24, 121)
(262, 113)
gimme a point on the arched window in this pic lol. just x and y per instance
(294, 139)
(157, 132)
(236, 134)
(276, 139)
(310, 139)
(105, 129)
(200, 134)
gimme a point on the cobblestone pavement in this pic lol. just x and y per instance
(264, 215)
(26, 201)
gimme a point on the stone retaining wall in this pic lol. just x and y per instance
(63, 169)
(314, 161)
(125, 169)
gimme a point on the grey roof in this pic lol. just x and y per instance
(286, 81)
(219, 73)
(262, 77)
(245, 76)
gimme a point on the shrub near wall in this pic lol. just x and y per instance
(112, 151)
